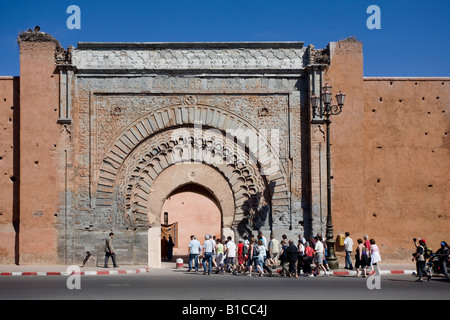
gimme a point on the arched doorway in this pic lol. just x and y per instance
(136, 184)
(176, 182)
(189, 210)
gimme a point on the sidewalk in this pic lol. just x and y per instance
(61, 270)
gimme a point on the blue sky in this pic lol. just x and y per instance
(413, 39)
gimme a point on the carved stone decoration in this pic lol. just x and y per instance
(147, 147)
(143, 166)
(206, 109)
(272, 56)
(190, 100)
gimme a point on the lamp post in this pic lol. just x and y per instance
(324, 111)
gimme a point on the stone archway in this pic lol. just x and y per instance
(134, 185)
(171, 138)
(173, 178)
(137, 197)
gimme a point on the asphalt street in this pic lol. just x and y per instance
(180, 285)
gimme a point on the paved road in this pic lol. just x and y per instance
(179, 285)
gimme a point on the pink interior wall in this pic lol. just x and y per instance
(196, 214)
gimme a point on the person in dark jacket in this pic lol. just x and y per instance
(110, 251)
(170, 245)
(443, 254)
(283, 259)
(292, 255)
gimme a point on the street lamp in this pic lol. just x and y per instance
(324, 111)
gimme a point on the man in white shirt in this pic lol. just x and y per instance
(231, 255)
(208, 249)
(348, 244)
(319, 256)
(193, 251)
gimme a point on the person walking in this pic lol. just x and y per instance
(263, 239)
(261, 257)
(245, 251)
(240, 256)
(420, 259)
(443, 254)
(292, 258)
(367, 246)
(319, 256)
(283, 257)
(325, 254)
(231, 252)
(253, 256)
(361, 259)
(264, 253)
(307, 260)
(348, 247)
(110, 251)
(194, 250)
(213, 239)
(274, 250)
(300, 254)
(208, 249)
(375, 256)
(219, 256)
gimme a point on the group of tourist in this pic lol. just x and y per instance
(261, 255)
(221, 256)
(367, 254)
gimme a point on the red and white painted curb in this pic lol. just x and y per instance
(382, 272)
(81, 273)
(143, 270)
(353, 273)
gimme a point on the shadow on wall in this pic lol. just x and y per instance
(257, 211)
(16, 168)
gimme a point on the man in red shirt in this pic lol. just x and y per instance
(241, 258)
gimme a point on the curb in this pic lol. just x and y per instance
(143, 270)
(353, 273)
(382, 272)
(82, 273)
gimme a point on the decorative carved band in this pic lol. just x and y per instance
(189, 59)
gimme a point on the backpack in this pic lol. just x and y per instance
(245, 250)
(283, 256)
(255, 250)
